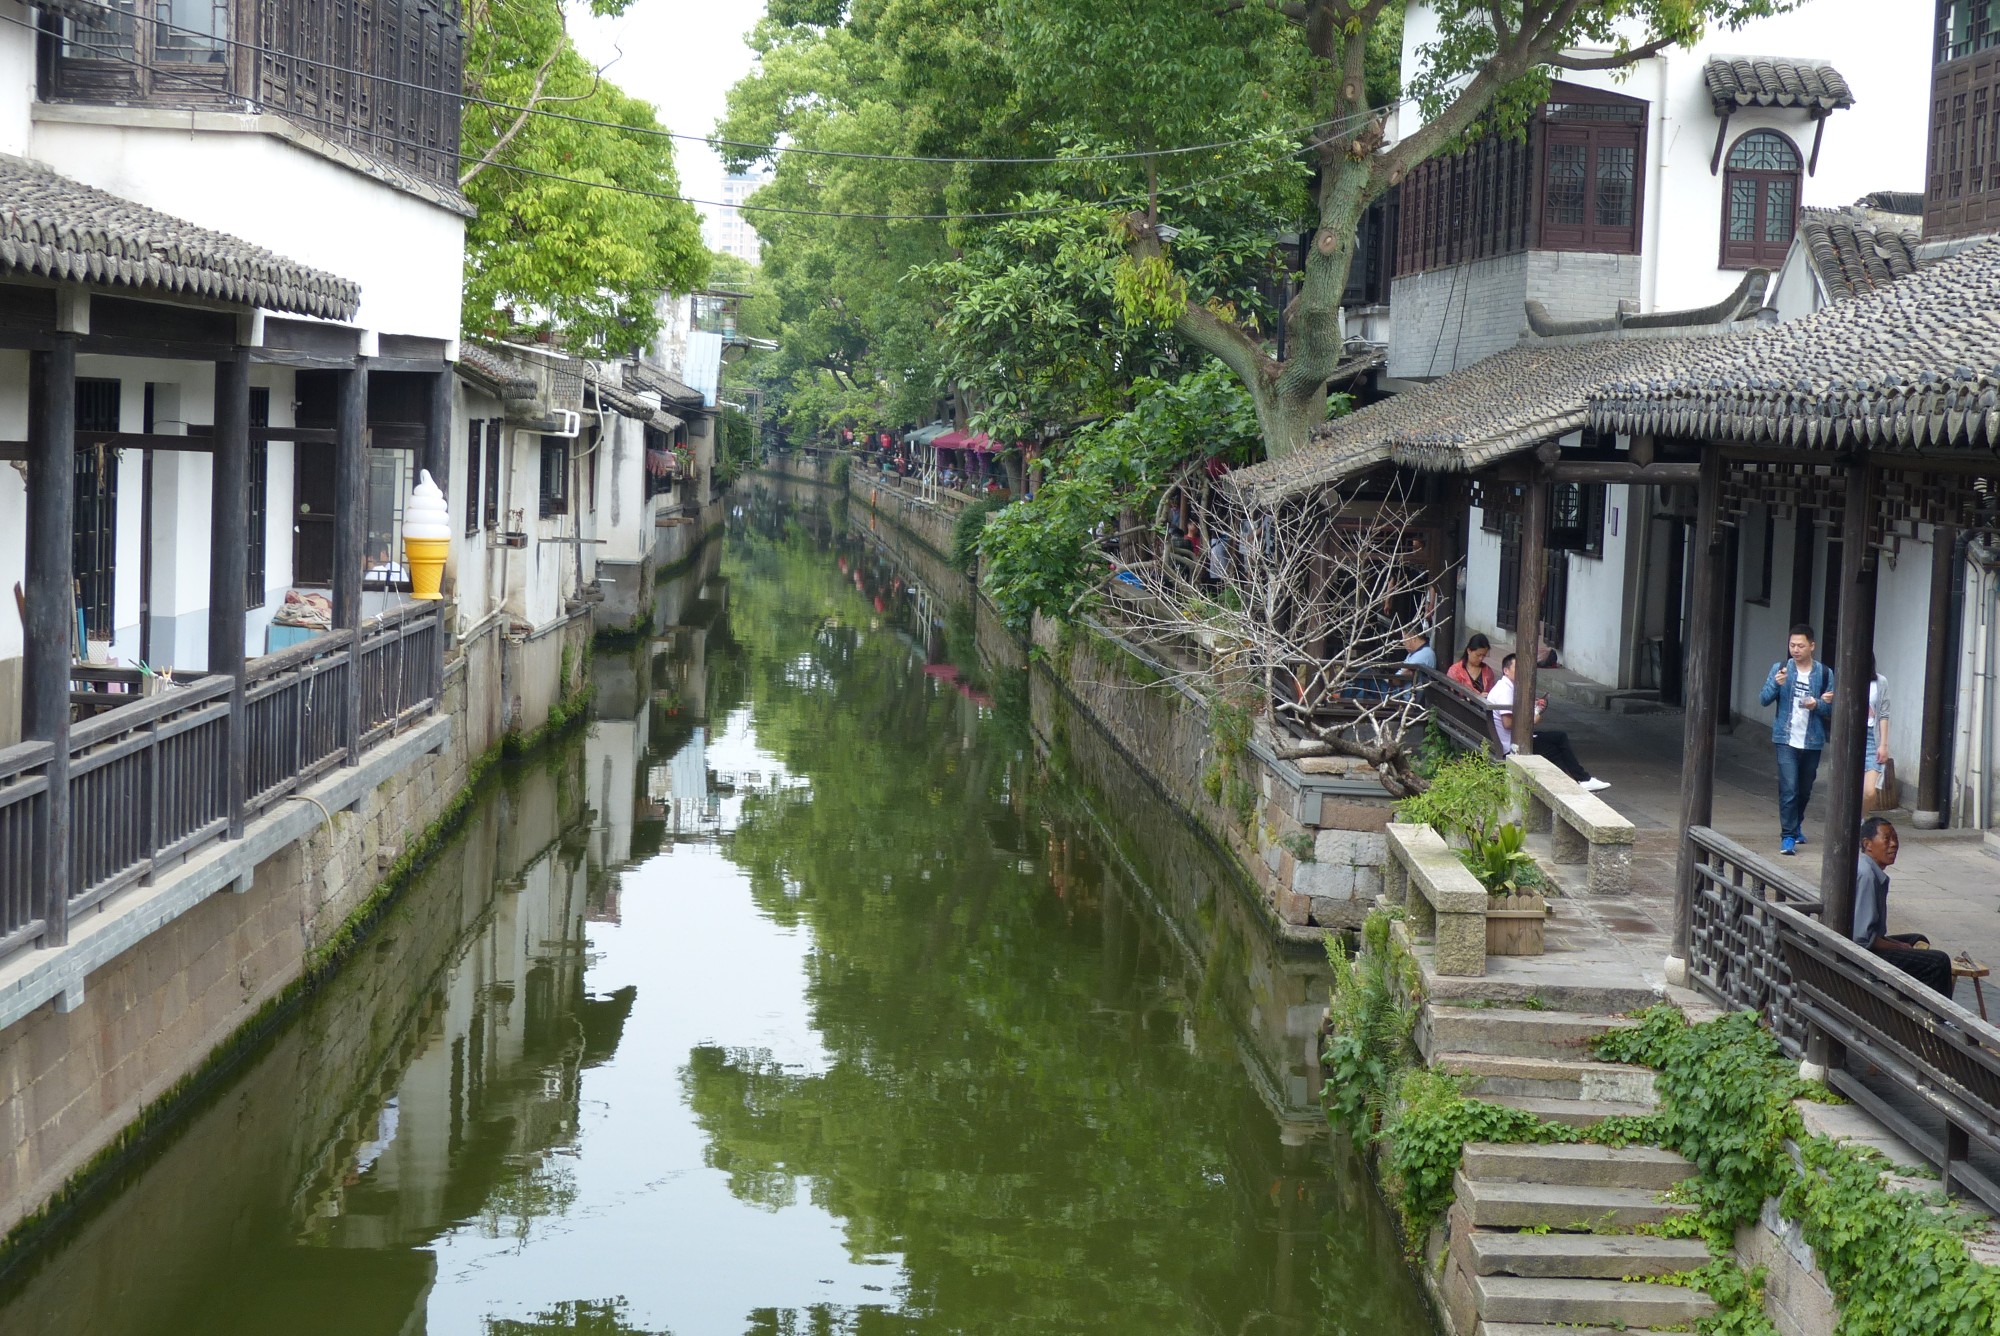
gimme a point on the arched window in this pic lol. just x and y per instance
(1760, 201)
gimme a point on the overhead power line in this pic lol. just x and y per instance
(761, 150)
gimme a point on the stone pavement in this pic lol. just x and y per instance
(1946, 883)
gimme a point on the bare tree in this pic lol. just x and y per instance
(1306, 607)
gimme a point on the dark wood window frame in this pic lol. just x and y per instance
(1767, 190)
(1757, 583)
(94, 480)
(399, 104)
(1576, 518)
(259, 474)
(494, 432)
(475, 448)
(554, 476)
(1962, 185)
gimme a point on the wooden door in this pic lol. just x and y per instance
(312, 525)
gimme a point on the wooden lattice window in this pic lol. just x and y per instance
(494, 428)
(475, 440)
(1593, 154)
(555, 476)
(1576, 518)
(1760, 200)
(258, 470)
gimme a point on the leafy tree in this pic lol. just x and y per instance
(1486, 68)
(572, 247)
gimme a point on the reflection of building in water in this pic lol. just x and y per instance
(459, 1124)
(612, 755)
(678, 791)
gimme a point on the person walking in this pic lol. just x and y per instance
(1803, 692)
(1875, 756)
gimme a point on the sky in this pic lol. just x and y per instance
(682, 56)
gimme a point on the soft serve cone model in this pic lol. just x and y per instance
(426, 538)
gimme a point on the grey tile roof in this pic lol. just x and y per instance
(1504, 404)
(670, 387)
(630, 405)
(58, 228)
(1894, 201)
(1858, 249)
(1773, 81)
(495, 371)
(1914, 365)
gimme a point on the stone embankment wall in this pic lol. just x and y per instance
(180, 1003)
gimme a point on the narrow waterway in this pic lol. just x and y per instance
(807, 993)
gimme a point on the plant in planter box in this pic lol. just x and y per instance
(1502, 862)
(1465, 799)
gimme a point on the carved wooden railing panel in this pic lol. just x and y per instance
(1733, 945)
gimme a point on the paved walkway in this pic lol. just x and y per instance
(1945, 883)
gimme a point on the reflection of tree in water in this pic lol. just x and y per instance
(595, 1317)
(1022, 1099)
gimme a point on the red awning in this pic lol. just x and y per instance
(982, 443)
(951, 440)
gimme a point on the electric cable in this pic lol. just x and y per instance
(972, 216)
(761, 150)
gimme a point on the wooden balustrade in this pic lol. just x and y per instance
(149, 779)
(23, 782)
(1757, 944)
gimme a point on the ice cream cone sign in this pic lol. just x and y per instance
(426, 538)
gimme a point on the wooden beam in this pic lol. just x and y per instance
(1848, 736)
(49, 617)
(1650, 475)
(436, 453)
(305, 361)
(165, 350)
(1528, 606)
(1703, 698)
(228, 563)
(1931, 763)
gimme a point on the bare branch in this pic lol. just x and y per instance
(1294, 10)
(1615, 61)
(487, 158)
(1301, 611)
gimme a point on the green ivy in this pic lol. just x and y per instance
(1426, 1137)
(966, 532)
(1372, 1010)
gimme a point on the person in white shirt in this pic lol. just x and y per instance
(1552, 743)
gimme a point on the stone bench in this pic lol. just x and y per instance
(1441, 900)
(1582, 828)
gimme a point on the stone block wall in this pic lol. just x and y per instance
(72, 1084)
(1450, 318)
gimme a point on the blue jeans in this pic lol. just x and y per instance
(1797, 768)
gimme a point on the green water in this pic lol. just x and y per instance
(808, 993)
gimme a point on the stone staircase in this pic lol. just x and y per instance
(1543, 1240)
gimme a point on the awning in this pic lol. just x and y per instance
(928, 435)
(980, 442)
(952, 440)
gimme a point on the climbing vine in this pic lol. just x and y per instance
(1229, 727)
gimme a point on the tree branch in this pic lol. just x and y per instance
(1294, 10)
(1615, 61)
(1200, 326)
(487, 158)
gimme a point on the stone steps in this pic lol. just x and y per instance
(1573, 1112)
(1587, 998)
(1642, 1167)
(1510, 1032)
(1550, 1078)
(1580, 1256)
(1544, 1329)
(1563, 1207)
(1609, 1303)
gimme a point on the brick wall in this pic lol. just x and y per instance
(1445, 319)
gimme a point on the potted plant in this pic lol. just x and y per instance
(1464, 803)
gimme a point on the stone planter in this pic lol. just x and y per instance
(1514, 924)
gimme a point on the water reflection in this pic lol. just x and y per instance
(809, 992)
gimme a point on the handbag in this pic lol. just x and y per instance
(1885, 788)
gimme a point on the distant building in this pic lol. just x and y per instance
(728, 230)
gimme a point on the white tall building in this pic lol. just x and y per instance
(728, 230)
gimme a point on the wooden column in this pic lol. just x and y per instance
(49, 621)
(350, 530)
(1929, 813)
(1702, 695)
(229, 561)
(1528, 605)
(1446, 636)
(1841, 777)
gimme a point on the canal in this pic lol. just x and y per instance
(832, 981)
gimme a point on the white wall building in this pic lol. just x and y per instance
(726, 228)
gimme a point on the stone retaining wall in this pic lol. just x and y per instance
(73, 1084)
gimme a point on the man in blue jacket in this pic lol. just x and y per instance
(1803, 691)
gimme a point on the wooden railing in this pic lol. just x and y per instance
(1458, 712)
(296, 702)
(148, 784)
(24, 782)
(1733, 951)
(149, 781)
(1758, 944)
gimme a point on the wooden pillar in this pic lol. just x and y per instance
(1848, 735)
(49, 620)
(1702, 694)
(1929, 813)
(1673, 625)
(1447, 635)
(436, 457)
(350, 530)
(228, 561)
(1528, 605)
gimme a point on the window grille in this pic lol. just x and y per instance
(493, 431)
(1576, 518)
(555, 476)
(94, 496)
(1965, 27)
(475, 444)
(1760, 193)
